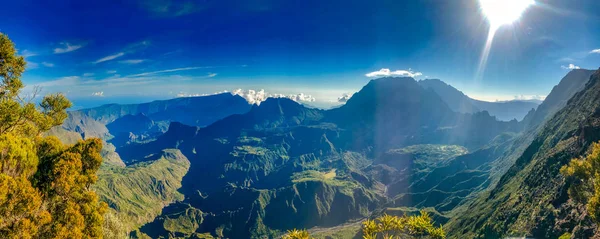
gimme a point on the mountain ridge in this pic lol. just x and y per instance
(534, 177)
(459, 102)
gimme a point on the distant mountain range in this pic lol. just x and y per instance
(459, 102)
(221, 167)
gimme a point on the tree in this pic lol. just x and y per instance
(584, 174)
(44, 185)
(391, 227)
(297, 234)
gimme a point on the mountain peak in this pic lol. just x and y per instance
(277, 106)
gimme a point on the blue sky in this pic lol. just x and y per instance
(131, 51)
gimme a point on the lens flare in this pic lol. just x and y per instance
(498, 13)
(502, 12)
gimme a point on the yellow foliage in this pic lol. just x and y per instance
(390, 227)
(296, 234)
(17, 156)
(21, 208)
(586, 171)
(44, 185)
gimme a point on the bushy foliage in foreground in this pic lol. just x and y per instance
(390, 227)
(586, 175)
(44, 185)
(296, 234)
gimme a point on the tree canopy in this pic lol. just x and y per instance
(44, 185)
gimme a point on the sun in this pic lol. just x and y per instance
(498, 13)
(503, 12)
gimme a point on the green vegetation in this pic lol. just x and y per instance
(532, 197)
(432, 153)
(44, 185)
(296, 234)
(347, 230)
(186, 222)
(391, 227)
(585, 173)
(138, 193)
(565, 236)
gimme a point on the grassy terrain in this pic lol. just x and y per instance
(345, 231)
(138, 193)
(432, 153)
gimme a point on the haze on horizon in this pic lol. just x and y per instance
(315, 52)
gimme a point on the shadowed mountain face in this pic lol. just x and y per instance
(122, 124)
(395, 146)
(394, 112)
(459, 102)
(197, 111)
(533, 187)
(455, 99)
(313, 166)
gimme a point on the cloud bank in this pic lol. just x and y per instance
(387, 72)
(530, 97)
(344, 98)
(570, 67)
(258, 96)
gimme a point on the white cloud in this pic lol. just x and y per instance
(132, 61)
(63, 81)
(66, 47)
(301, 98)
(258, 96)
(88, 74)
(565, 60)
(32, 65)
(98, 94)
(173, 70)
(211, 75)
(184, 94)
(387, 72)
(111, 72)
(344, 98)
(48, 64)
(570, 67)
(530, 97)
(109, 58)
(252, 96)
(27, 53)
(595, 51)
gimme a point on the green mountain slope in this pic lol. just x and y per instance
(531, 198)
(316, 167)
(572, 83)
(394, 147)
(138, 193)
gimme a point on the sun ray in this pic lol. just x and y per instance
(498, 13)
